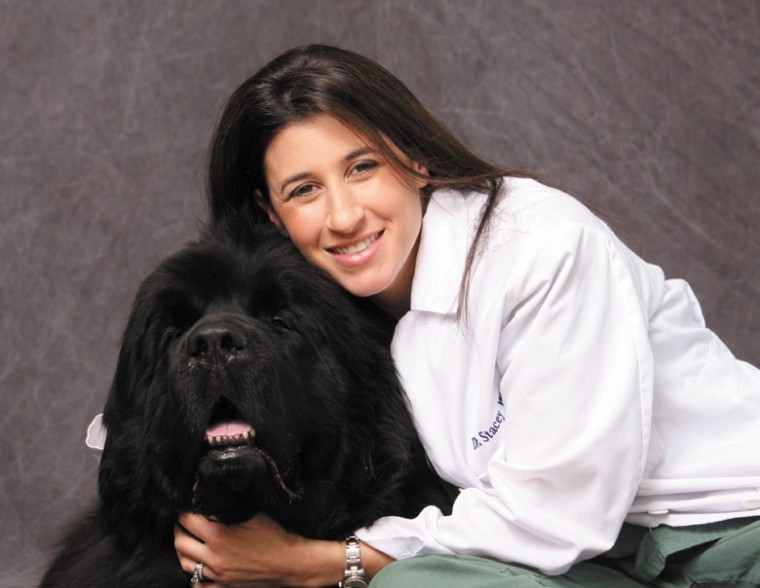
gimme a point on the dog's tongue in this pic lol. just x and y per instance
(229, 429)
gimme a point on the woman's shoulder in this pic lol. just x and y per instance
(535, 231)
(543, 231)
(537, 222)
(528, 206)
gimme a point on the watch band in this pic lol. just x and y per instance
(354, 576)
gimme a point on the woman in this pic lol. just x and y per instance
(598, 430)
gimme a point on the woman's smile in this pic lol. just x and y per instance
(357, 253)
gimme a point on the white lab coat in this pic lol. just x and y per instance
(581, 391)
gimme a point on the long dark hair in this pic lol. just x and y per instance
(319, 79)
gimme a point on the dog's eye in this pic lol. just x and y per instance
(280, 322)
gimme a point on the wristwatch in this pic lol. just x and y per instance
(354, 576)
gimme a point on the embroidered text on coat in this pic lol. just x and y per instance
(485, 435)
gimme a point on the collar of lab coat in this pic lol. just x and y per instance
(448, 228)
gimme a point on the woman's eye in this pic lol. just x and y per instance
(302, 190)
(364, 166)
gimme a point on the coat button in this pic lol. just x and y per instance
(751, 502)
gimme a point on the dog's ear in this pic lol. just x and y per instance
(135, 501)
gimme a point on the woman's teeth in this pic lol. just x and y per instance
(357, 247)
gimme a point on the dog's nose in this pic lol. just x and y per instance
(222, 341)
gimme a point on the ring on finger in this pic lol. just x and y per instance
(197, 574)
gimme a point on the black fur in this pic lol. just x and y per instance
(245, 328)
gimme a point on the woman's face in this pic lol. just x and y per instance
(347, 210)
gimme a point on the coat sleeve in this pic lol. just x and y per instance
(575, 373)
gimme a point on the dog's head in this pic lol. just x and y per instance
(242, 371)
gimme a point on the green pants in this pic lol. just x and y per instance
(702, 556)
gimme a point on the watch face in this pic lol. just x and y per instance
(355, 582)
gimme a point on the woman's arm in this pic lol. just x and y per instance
(260, 554)
(560, 329)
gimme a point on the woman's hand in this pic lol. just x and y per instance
(261, 554)
(255, 554)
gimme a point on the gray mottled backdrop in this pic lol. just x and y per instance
(647, 110)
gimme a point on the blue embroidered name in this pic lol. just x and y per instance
(486, 435)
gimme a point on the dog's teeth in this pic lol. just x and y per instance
(240, 438)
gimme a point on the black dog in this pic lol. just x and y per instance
(247, 382)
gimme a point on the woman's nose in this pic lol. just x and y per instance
(345, 213)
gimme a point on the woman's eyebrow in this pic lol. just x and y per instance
(358, 153)
(346, 158)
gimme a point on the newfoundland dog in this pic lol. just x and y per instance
(247, 382)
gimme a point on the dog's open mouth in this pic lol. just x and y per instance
(230, 433)
(227, 428)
